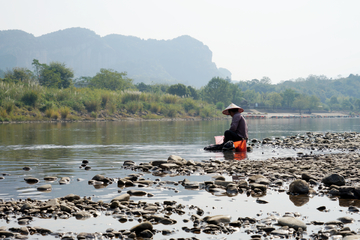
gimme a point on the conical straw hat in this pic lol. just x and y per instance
(232, 106)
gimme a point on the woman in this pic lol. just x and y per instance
(238, 129)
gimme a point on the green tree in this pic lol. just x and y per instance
(313, 103)
(17, 75)
(357, 104)
(193, 93)
(345, 104)
(217, 90)
(288, 97)
(274, 99)
(112, 80)
(251, 96)
(54, 75)
(301, 102)
(50, 78)
(178, 89)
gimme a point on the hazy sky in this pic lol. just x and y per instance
(280, 39)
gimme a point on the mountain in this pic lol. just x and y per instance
(179, 60)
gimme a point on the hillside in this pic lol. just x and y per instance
(180, 60)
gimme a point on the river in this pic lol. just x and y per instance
(58, 149)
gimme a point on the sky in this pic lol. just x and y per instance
(278, 39)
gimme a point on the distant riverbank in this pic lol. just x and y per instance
(248, 114)
(252, 113)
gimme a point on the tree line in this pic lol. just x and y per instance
(312, 93)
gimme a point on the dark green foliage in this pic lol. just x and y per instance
(193, 93)
(18, 75)
(189, 104)
(30, 98)
(218, 90)
(92, 105)
(111, 80)
(219, 105)
(178, 89)
(54, 75)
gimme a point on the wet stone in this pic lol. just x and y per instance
(64, 180)
(31, 180)
(141, 227)
(291, 222)
(50, 178)
(299, 187)
(217, 219)
(334, 179)
(81, 215)
(46, 187)
(346, 219)
(136, 193)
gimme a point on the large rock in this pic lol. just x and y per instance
(141, 227)
(177, 160)
(258, 179)
(299, 187)
(136, 193)
(334, 179)
(123, 197)
(31, 180)
(101, 178)
(292, 222)
(43, 188)
(64, 180)
(217, 219)
(82, 215)
(7, 234)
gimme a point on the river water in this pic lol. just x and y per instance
(58, 149)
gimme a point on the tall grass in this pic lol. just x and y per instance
(16, 100)
(64, 112)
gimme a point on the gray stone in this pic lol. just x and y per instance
(141, 227)
(158, 162)
(146, 234)
(262, 187)
(346, 219)
(46, 187)
(292, 222)
(191, 185)
(223, 183)
(123, 197)
(334, 179)
(64, 180)
(81, 215)
(299, 187)
(217, 219)
(256, 178)
(169, 165)
(31, 180)
(136, 193)
(71, 197)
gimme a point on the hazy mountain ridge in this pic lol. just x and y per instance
(182, 59)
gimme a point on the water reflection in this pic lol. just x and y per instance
(299, 200)
(349, 202)
(231, 155)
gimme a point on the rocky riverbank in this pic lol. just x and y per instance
(332, 175)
